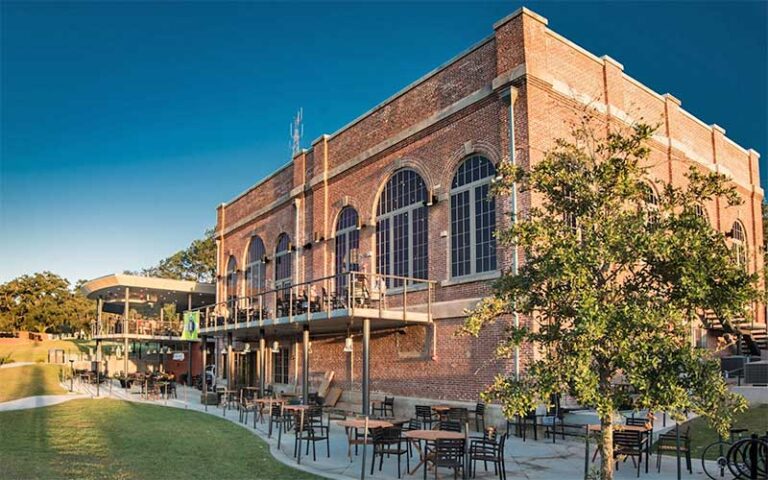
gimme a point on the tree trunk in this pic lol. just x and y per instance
(606, 448)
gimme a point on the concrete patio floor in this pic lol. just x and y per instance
(535, 460)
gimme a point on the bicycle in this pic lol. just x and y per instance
(744, 458)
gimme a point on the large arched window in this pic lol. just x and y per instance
(473, 218)
(283, 261)
(739, 244)
(347, 245)
(401, 227)
(255, 268)
(231, 282)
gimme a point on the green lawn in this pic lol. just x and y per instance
(31, 351)
(755, 419)
(123, 440)
(29, 380)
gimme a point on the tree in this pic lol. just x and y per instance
(197, 262)
(613, 282)
(43, 302)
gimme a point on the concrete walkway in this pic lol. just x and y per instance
(39, 401)
(17, 364)
(539, 460)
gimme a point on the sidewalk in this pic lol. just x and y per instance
(535, 460)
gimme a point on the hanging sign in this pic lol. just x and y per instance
(191, 326)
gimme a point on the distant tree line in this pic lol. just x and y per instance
(46, 302)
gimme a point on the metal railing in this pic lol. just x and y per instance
(321, 297)
(156, 328)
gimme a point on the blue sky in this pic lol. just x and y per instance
(125, 124)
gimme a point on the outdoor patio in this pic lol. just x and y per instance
(530, 459)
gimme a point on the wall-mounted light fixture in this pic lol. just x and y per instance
(275, 347)
(348, 345)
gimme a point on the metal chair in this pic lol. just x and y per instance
(667, 442)
(448, 454)
(425, 415)
(389, 441)
(386, 408)
(486, 450)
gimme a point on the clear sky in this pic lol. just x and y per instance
(125, 124)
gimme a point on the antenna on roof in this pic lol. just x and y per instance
(297, 132)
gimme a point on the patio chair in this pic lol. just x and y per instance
(426, 416)
(667, 442)
(449, 426)
(386, 408)
(312, 431)
(458, 414)
(412, 424)
(628, 444)
(389, 441)
(448, 454)
(521, 425)
(488, 449)
(479, 416)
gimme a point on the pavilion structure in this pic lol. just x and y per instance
(135, 309)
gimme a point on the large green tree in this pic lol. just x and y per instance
(43, 302)
(613, 281)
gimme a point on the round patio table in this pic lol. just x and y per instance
(430, 436)
(352, 425)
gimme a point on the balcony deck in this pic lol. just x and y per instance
(287, 310)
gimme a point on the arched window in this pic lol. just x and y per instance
(283, 261)
(473, 218)
(651, 199)
(347, 245)
(255, 268)
(231, 282)
(739, 244)
(401, 227)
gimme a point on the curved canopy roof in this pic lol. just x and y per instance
(148, 291)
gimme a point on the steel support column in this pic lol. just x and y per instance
(262, 360)
(126, 312)
(204, 355)
(305, 370)
(366, 366)
(230, 363)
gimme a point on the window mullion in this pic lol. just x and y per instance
(472, 232)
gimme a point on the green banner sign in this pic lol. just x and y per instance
(191, 326)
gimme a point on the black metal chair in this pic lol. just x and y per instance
(628, 444)
(386, 408)
(479, 416)
(425, 415)
(449, 426)
(521, 425)
(412, 424)
(667, 442)
(448, 454)
(488, 450)
(458, 414)
(312, 431)
(389, 441)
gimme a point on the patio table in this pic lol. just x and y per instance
(594, 428)
(352, 425)
(430, 436)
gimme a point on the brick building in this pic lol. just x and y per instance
(398, 194)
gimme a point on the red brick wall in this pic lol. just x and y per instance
(554, 81)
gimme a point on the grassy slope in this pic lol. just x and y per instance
(755, 419)
(29, 380)
(38, 351)
(123, 440)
